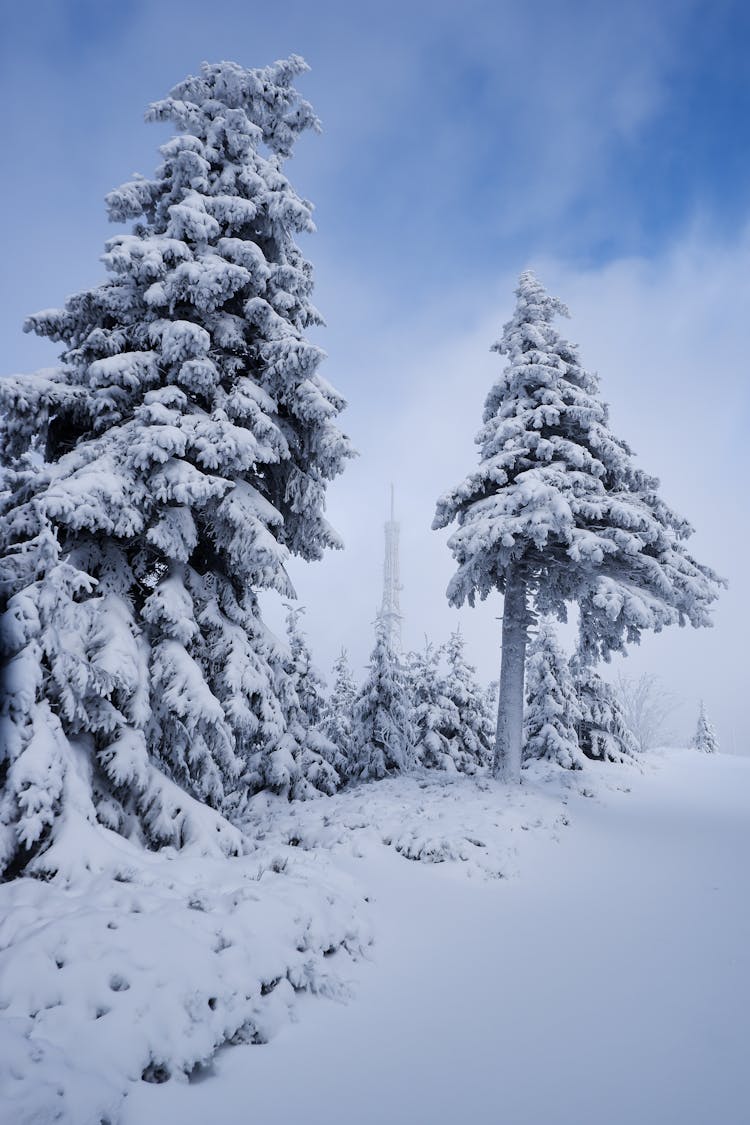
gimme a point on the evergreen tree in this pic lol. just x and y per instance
(489, 708)
(705, 738)
(338, 714)
(557, 512)
(448, 709)
(471, 739)
(383, 735)
(603, 730)
(552, 711)
(159, 478)
(302, 760)
(433, 714)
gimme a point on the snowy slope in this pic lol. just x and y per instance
(604, 980)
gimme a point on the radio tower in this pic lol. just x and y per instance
(390, 611)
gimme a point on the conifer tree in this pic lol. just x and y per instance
(470, 740)
(557, 512)
(705, 738)
(433, 715)
(159, 478)
(603, 731)
(338, 714)
(448, 709)
(383, 734)
(489, 708)
(303, 761)
(552, 710)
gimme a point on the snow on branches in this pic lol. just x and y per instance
(557, 512)
(552, 708)
(182, 451)
(384, 735)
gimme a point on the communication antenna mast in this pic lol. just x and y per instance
(390, 610)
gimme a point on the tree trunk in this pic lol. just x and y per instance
(507, 763)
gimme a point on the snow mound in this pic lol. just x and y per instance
(143, 973)
(470, 824)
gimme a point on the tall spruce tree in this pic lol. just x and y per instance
(159, 478)
(557, 512)
(383, 732)
(705, 738)
(552, 712)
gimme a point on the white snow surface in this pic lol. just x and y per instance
(153, 964)
(573, 952)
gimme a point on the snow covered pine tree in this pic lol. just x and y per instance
(304, 762)
(705, 738)
(338, 723)
(383, 735)
(557, 512)
(603, 730)
(470, 741)
(552, 709)
(448, 711)
(186, 441)
(433, 715)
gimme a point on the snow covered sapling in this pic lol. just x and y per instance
(383, 735)
(705, 738)
(552, 710)
(557, 512)
(433, 715)
(603, 731)
(337, 723)
(186, 443)
(470, 740)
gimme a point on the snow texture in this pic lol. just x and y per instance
(594, 944)
(145, 970)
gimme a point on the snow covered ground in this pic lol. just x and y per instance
(570, 953)
(604, 978)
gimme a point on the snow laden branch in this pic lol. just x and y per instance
(557, 513)
(158, 479)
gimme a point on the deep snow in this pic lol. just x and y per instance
(605, 980)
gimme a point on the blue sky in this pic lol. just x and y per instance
(605, 144)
